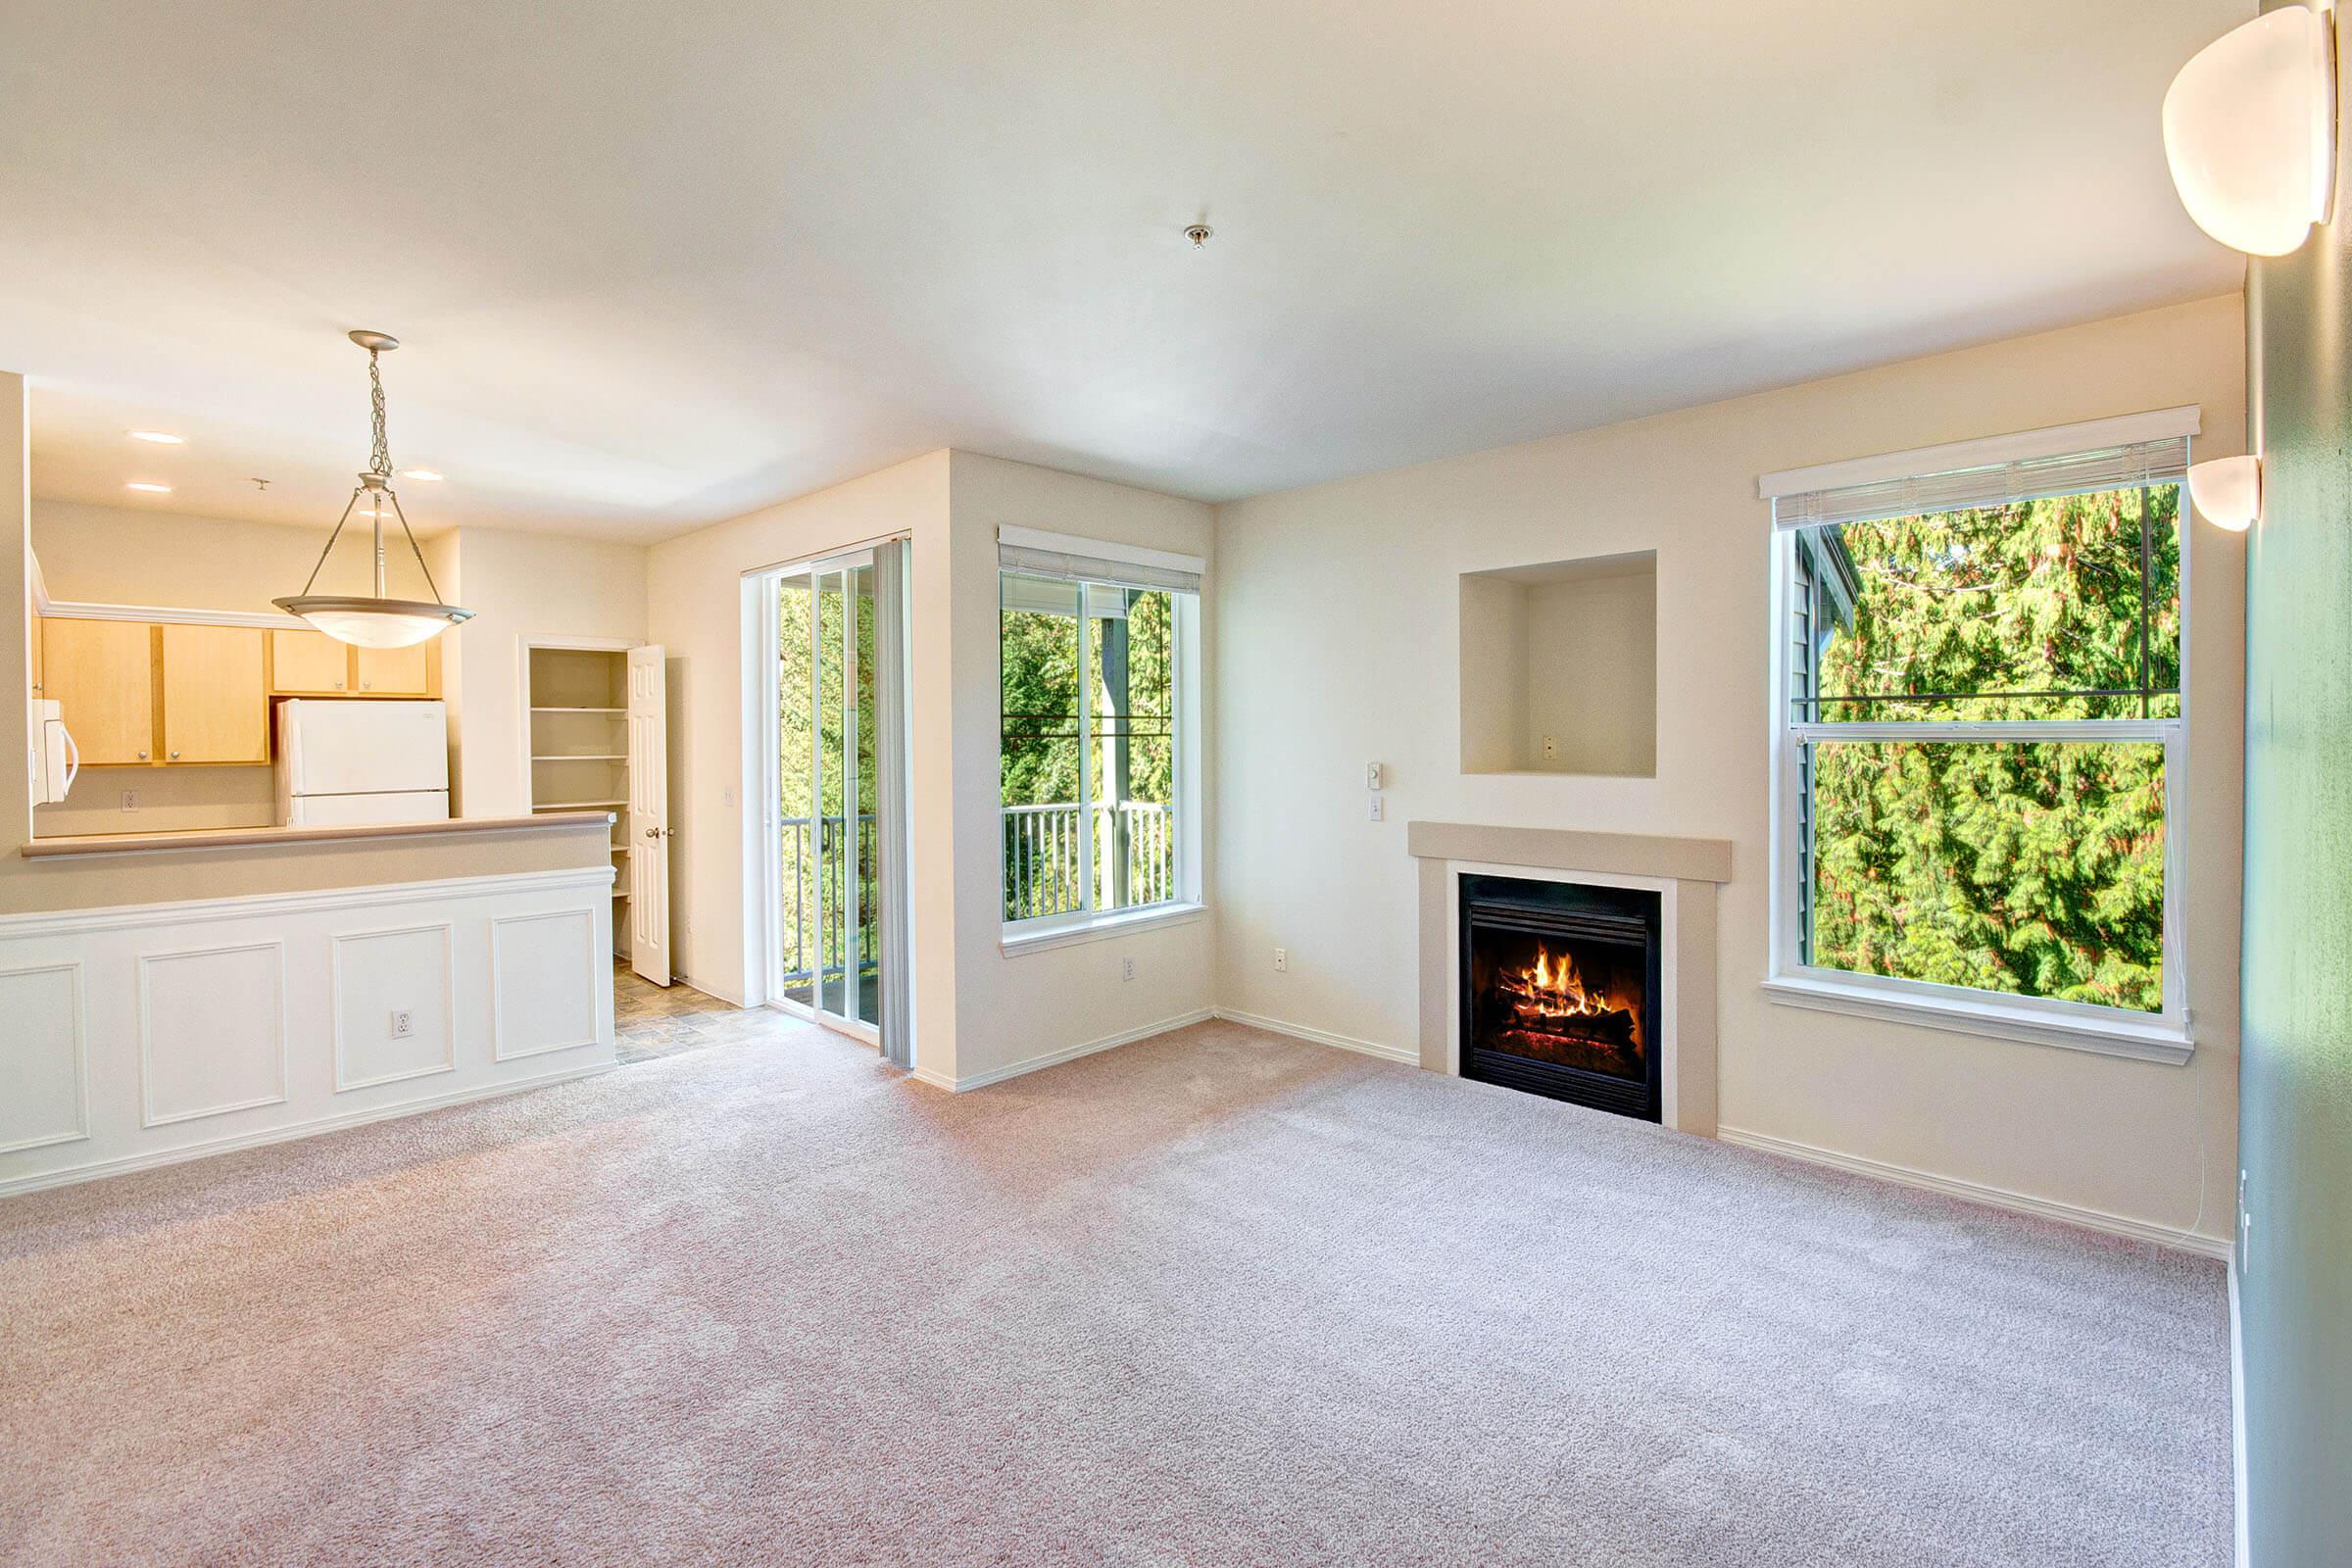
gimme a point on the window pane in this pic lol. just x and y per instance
(1131, 662)
(2034, 868)
(1038, 754)
(2067, 607)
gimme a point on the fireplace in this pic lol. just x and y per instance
(1560, 989)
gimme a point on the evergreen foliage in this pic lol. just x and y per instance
(2030, 867)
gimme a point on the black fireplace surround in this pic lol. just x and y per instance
(1559, 991)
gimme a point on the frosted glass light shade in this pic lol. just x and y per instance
(374, 622)
(2227, 491)
(2249, 130)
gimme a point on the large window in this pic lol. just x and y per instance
(1980, 742)
(1097, 817)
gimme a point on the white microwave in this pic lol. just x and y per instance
(56, 760)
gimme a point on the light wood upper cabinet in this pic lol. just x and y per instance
(103, 674)
(309, 663)
(216, 694)
(395, 671)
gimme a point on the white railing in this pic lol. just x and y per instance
(1045, 849)
(813, 947)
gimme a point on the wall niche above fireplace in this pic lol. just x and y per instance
(1560, 668)
(1560, 991)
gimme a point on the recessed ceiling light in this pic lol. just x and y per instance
(161, 438)
(426, 475)
(149, 486)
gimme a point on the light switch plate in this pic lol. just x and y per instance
(1372, 775)
(1378, 813)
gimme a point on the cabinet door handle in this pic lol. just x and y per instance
(176, 756)
(142, 757)
(339, 685)
(366, 685)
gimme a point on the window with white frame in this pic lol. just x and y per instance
(1979, 731)
(1098, 758)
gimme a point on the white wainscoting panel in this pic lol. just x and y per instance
(143, 1034)
(411, 969)
(543, 972)
(212, 1030)
(43, 1065)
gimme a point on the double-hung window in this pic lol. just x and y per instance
(1099, 755)
(1979, 740)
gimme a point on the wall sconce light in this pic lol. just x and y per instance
(2249, 129)
(2227, 491)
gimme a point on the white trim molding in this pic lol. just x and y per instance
(1402, 1056)
(216, 1023)
(258, 619)
(2089, 1219)
(448, 931)
(2033, 1020)
(1055, 1058)
(80, 1129)
(1070, 544)
(598, 1034)
(2021, 446)
(276, 1018)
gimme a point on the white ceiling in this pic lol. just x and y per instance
(657, 264)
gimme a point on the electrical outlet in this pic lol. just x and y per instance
(1126, 968)
(1551, 748)
(1379, 811)
(1282, 960)
(131, 800)
(404, 1024)
(2245, 1228)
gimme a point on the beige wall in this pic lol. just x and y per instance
(1336, 614)
(695, 609)
(524, 587)
(977, 1011)
(1010, 1008)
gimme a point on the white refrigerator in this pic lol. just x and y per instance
(360, 762)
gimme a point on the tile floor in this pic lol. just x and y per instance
(652, 1021)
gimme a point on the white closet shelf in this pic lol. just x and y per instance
(575, 805)
(579, 709)
(580, 757)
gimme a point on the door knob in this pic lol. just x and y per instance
(652, 832)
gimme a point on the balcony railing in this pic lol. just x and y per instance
(1044, 860)
(1045, 857)
(813, 851)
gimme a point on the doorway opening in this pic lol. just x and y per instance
(830, 889)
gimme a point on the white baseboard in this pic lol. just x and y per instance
(2237, 1414)
(2091, 1219)
(283, 1135)
(1055, 1058)
(1321, 1036)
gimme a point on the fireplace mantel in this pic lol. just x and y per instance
(1685, 871)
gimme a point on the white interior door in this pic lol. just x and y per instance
(648, 816)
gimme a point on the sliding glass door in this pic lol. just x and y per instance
(827, 954)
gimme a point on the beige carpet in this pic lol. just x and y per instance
(1218, 1297)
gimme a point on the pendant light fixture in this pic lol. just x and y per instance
(375, 622)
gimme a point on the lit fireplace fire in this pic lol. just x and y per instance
(1551, 995)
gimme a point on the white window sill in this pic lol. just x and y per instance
(2145, 1038)
(1100, 928)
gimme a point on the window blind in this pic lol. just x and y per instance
(1044, 555)
(2163, 461)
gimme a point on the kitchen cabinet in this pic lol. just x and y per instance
(309, 663)
(395, 671)
(103, 674)
(216, 697)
